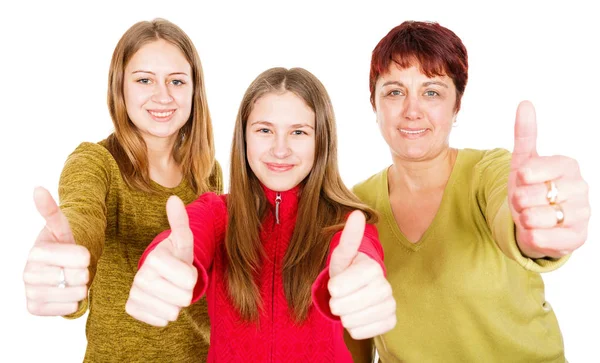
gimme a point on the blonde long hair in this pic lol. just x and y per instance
(194, 149)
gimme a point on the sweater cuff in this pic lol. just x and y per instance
(320, 290)
(505, 235)
(201, 283)
(81, 309)
(321, 296)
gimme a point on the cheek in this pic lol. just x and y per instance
(307, 154)
(254, 149)
(184, 97)
(440, 117)
(134, 96)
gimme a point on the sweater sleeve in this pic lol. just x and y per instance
(83, 186)
(370, 246)
(492, 195)
(208, 218)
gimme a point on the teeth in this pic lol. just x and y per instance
(161, 114)
(413, 132)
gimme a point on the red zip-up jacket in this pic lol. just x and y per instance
(276, 337)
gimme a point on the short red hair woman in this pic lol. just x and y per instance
(466, 233)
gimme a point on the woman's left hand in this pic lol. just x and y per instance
(547, 196)
(360, 294)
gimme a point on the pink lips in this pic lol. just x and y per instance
(279, 167)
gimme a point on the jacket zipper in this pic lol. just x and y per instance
(277, 236)
(277, 202)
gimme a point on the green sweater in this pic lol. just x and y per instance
(464, 291)
(116, 224)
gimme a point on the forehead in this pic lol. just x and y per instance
(412, 72)
(158, 56)
(284, 108)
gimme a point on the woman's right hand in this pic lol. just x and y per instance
(165, 282)
(56, 273)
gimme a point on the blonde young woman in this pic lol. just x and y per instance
(281, 278)
(112, 197)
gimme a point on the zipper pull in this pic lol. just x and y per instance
(277, 202)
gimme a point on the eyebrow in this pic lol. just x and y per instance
(150, 72)
(425, 84)
(294, 126)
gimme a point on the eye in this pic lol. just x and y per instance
(395, 93)
(178, 82)
(263, 131)
(431, 93)
(144, 81)
(299, 132)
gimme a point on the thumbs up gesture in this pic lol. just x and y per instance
(165, 282)
(547, 196)
(360, 294)
(56, 272)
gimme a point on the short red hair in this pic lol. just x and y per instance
(437, 50)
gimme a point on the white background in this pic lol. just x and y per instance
(54, 66)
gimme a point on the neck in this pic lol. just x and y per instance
(160, 151)
(418, 176)
(163, 168)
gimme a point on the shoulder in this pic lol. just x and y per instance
(368, 189)
(484, 157)
(95, 152)
(210, 201)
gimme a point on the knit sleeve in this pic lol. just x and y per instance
(492, 196)
(369, 245)
(208, 218)
(82, 190)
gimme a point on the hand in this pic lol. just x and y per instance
(165, 282)
(540, 232)
(360, 294)
(55, 258)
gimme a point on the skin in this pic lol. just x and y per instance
(280, 140)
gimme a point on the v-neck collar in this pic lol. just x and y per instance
(427, 235)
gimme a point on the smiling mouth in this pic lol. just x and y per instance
(412, 132)
(279, 167)
(161, 114)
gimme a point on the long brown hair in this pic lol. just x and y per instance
(194, 148)
(324, 203)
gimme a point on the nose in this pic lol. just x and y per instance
(281, 148)
(412, 108)
(161, 94)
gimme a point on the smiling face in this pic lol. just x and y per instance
(415, 113)
(158, 90)
(280, 140)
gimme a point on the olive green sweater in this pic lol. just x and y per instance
(464, 291)
(116, 224)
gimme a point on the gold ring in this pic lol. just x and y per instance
(552, 194)
(560, 214)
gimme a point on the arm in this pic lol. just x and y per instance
(207, 221)
(71, 242)
(83, 187)
(493, 171)
(353, 286)
(369, 246)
